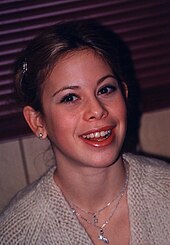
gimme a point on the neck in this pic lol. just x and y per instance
(92, 187)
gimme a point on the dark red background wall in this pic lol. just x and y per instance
(143, 25)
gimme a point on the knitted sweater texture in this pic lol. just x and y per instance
(40, 214)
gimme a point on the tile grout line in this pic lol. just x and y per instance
(24, 161)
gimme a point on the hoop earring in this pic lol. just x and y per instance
(40, 136)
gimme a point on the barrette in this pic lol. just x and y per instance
(24, 67)
(23, 71)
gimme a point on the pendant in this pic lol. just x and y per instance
(102, 238)
(95, 219)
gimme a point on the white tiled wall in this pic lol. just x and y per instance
(21, 162)
(12, 173)
(38, 155)
(155, 133)
(24, 160)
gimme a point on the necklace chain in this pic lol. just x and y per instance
(94, 214)
(97, 212)
(109, 218)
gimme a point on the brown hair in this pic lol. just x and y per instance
(43, 52)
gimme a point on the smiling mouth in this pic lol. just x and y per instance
(98, 136)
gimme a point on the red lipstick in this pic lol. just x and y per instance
(99, 137)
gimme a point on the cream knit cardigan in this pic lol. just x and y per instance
(40, 215)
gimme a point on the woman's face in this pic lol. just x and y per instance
(84, 111)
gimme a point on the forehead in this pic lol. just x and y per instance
(80, 68)
(80, 59)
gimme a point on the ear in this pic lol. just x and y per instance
(35, 121)
(125, 90)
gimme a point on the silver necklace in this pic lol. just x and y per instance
(97, 212)
(101, 235)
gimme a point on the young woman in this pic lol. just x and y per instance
(69, 81)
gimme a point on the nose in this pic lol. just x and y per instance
(94, 110)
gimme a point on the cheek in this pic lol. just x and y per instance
(123, 110)
(120, 108)
(61, 123)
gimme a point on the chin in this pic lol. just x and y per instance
(105, 160)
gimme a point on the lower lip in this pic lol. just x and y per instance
(102, 143)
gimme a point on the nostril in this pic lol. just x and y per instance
(95, 110)
(97, 114)
(92, 117)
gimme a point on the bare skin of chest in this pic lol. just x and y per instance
(116, 232)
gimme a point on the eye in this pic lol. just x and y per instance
(107, 89)
(69, 98)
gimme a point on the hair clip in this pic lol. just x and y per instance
(24, 67)
(23, 71)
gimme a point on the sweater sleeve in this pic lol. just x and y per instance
(149, 200)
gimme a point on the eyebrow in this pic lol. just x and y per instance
(105, 77)
(77, 87)
(65, 88)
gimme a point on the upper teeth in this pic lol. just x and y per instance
(97, 134)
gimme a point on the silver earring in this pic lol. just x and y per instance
(40, 136)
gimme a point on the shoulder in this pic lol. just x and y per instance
(40, 215)
(26, 209)
(149, 165)
(32, 192)
(151, 173)
(147, 162)
(149, 198)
